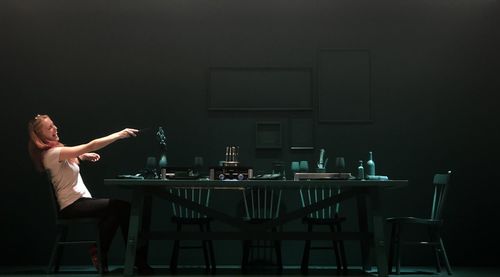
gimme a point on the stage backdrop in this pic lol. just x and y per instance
(415, 81)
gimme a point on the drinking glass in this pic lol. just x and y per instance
(304, 166)
(294, 168)
(198, 164)
(151, 163)
(340, 164)
(150, 171)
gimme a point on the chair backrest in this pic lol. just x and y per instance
(310, 196)
(197, 195)
(441, 183)
(262, 203)
(53, 195)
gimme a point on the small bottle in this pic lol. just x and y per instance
(162, 164)
(361, 170)
(370, 165)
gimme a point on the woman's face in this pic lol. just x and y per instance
(48, 130)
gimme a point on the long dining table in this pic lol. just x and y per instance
(366, 193)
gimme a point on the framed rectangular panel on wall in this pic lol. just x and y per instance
(344, 86)
(260, 88)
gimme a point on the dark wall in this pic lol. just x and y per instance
(99, 66)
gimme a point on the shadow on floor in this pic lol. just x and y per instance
(88, 271)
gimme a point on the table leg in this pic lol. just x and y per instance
(363, 228)
(146, 223)
(136, 213)
(378, 234)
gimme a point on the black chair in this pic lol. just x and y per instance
(327, 217)
(63, 227)
(186, 217)
(261, 205)
(433, 225)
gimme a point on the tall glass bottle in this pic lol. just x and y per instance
(370, 165)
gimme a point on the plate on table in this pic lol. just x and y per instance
(322, 176)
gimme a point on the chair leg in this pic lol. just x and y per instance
(211, 252)
(55, 257)
(206, 256)
(335, 246)
(101, 263)
(175, 252)
(175, 256)
(204, 245)
(342, 249)
(59, 248)
(446, 261)
(304, 267)
(397, 244)
(438, 259)
(55, 252)
(212, 257)
(277, 247)
(246, 251)
(434, 238)
(391, 248)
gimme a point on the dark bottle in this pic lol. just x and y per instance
(361, 170)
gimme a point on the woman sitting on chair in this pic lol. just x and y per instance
(73, 197)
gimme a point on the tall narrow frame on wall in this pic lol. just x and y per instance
(344, 86)
(301, 133)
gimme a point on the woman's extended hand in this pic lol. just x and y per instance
(91, 157)
(127, 132)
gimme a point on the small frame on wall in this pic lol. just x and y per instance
(268, 135)
(301, 134)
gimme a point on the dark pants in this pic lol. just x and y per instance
(113, 213)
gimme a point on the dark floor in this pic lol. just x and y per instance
(85, 271)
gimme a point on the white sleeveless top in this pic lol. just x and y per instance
(66, 179)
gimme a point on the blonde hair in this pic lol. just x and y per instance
(36, 145)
